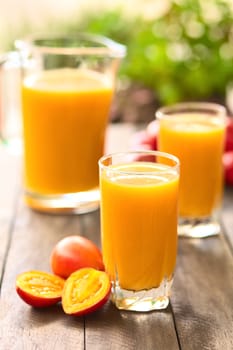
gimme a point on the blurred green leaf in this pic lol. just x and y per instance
(187, 54)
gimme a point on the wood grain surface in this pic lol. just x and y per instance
(200, 315)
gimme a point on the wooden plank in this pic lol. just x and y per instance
(112, 329)
(90, 226)
(203, 294)
(9, 176)
(227, 214)
(33, 237)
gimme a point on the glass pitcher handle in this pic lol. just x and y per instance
(10, 101)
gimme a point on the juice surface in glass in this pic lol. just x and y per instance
(139, 223)
(198, 141)
(65, 113)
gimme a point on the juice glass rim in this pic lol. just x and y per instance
(72, 44)
(213, 109)
(160, 154)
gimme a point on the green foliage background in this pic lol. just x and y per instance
(186, 54)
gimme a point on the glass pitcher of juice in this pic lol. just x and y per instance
(67, 87)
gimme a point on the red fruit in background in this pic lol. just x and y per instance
(228, 167)
(229, 134)
(141, 141)
(146, 139)
(152, 132)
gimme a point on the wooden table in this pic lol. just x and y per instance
(200, 315)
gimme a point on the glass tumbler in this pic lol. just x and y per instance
(195, 133)
(139, 194)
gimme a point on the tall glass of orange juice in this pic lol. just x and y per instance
(194, 132)
(139, 194)
(67, 91)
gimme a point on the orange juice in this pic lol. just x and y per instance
(65, 113)
(139, 223)
(198, 141)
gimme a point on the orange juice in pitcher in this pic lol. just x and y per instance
(67, 89)
(65, 113)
